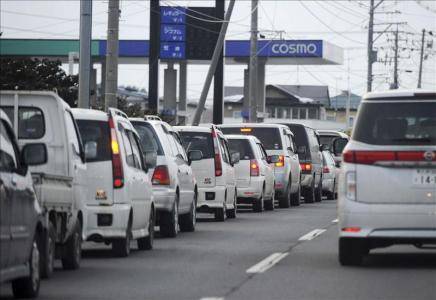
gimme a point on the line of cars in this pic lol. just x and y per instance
(73, 175)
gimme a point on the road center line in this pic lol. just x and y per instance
(267, 263)
(311, 235)
(335, 221)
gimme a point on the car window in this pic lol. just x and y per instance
(98, 132)
(31, 122)
(148, 138)
(8, 155)
(127, 147)
(262, 151)
(201, 141)
(179, 146)
(242, 147)
(408, 123)
(224, 151)
(73, 136)
(327, 140)
(270, 137)
(135, 150)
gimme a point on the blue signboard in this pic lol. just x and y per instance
(172, 50)
(172, 15)
(172, 33)
(273, 48)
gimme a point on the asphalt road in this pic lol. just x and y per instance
(227, 261)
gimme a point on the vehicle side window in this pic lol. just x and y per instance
(262, 151)
(291, 144)
(8, 153)
(135, 150)
(224, 150)
(127, 147)
(179, 146)
(171, 142)
(71, 130)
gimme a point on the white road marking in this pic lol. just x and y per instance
(335, 221)
(267, 263)
(311, 235)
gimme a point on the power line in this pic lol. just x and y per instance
(336, 15)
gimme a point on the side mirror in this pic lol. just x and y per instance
(34, 154)
(150, 159)
(235, 158)
(338, 145)
(194, 155)
(90, 150)
(301, 149)
(273, 159)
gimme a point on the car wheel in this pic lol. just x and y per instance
(188, 221)
(28, 287)
(231, 213)
(146, 243)
(220, 213)
(285, 199)
(169, 223)
(47, 252)
(331, 195)
(269, 205)
(121, 247)
(309, 195)
(296, 197)
(258, 203)
(72, 253)
(351, 251)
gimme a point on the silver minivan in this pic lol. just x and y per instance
(387, 191)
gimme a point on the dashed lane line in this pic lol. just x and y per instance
(267, 263)
(311, 235)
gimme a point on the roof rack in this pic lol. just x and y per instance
(152, 118)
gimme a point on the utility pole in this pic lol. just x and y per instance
(112, 55)
(421, 59)
(348, 103)
(395, 83)
(218, 84)
(213, 64)
(370, 46)
(153, 60)
(85, 53)
(252, 70)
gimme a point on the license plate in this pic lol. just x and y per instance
(424, 177)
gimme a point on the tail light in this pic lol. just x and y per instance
(326, 170)
(217, 157)
(281, 162)
(371, 157)
(160, 176)
(117, 166)
(306, 167)
(350, 185)
(254, 168)
(351, 229)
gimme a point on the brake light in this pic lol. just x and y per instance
(371, 157)
(254, 168)
(160, 176)
(326, 170)
(281, 162)
(306, 167)
(351, 229)
(117, 166)
(217, 157)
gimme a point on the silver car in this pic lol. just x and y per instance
(387, 192)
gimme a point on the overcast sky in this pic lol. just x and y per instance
(342, 23)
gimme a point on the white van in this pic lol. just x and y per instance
(214, 173)
(119, 205)
(44, 119)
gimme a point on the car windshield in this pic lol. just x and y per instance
(243, 147)
(148, 138)
(98, 132)
(270, 137)
(198, 141)
(327, 140)
(408, 123)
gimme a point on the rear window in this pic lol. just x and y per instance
(243, 147)
(148, 138)
(270, 137)
(327, 140)
(300, 135)
(198, 141)
(409, 123)
(31, 123)
(98, 132)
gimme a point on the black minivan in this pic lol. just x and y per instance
(310, 156)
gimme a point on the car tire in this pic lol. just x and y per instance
(285, 200)
(352, 251)
(258, 203)
(296, 197)
(188, 221)
(269, 205)
(318, 192)
(47, 252)
(169, 222)
(72, 250)
(231, 213)
(28, 287)
(331, 195)
(146, 243)
(220, 213)
(309, 194)
(121, 247)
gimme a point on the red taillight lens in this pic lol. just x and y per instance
(326, 169)
(306, 167)
(254, 168)
(351, 229)
(161, 176)
(117, 165)
(218, 167)
(371, 157)
(281, 162)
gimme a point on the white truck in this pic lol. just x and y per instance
(43, 118)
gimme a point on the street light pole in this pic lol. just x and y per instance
(252, 70)
(84, 54)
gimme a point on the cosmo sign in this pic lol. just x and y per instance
(274, 48)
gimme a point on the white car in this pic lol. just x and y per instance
(387, 192)
(174, 185)
(327, 137)
(254, 172)
(330, 175)
(119, 206)
(214, 173)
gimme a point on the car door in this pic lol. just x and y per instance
(295, 162)
(228, 169)
(268, 170)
